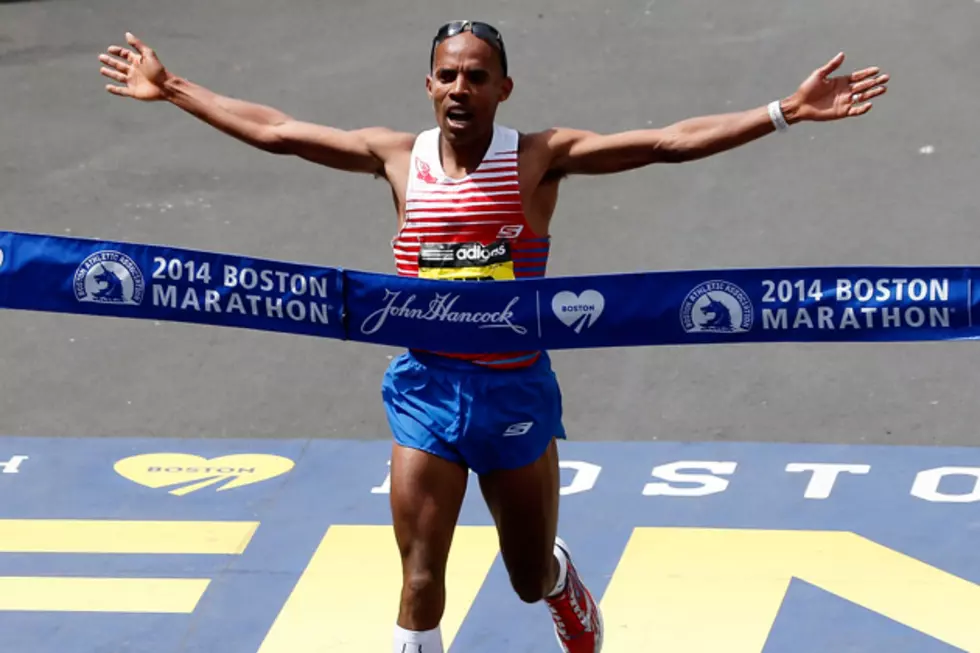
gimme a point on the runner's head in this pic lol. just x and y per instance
(467, 79)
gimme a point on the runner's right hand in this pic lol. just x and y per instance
(140, 70)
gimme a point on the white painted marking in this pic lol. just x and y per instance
(926, 485)
(824, 476)
(12, 466)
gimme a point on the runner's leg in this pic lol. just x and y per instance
(426, 495)
(524, 505)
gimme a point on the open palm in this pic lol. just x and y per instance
(140, 70)
(822, 97)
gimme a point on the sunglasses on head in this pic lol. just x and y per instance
(483, 31)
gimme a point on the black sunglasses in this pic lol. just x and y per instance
(483, 31)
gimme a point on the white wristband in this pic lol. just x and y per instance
(776, 115)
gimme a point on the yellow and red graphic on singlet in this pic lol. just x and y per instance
(466, 261)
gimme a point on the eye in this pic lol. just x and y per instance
(477, 76)
(446, 76)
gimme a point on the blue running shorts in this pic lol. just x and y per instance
(484, 419)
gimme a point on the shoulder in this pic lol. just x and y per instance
(554, 139)
(392, 149)
(549, 148)
(386, 142)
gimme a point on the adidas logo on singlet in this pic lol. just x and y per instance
(463, 254)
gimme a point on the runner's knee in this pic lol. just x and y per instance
(423, 568)
(423, 598)
(422, 584)
(530, 583)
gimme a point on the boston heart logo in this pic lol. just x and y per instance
(578, 311)
(191, 473)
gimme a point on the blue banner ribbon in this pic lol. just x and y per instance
(812, 304)
(72, 275)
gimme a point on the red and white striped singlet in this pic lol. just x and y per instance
(469, 228)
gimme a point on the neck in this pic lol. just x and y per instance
(460, 159)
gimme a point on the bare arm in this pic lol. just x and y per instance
(145, 78)
(270, 130)
(819, 98)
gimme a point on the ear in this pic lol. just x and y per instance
(428, 86)
(506, 88)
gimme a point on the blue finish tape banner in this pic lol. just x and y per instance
(821, 304)
(71, 275)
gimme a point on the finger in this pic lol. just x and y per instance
(873, 93)
(124, 53)
(136, 43)
(118, 90)
(113, 74)
(880, 80)
(119, 65)
(831, 65)
(859, 110)
(858, 75)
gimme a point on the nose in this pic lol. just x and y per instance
(459, 88)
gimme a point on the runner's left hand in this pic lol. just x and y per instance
(822, 97)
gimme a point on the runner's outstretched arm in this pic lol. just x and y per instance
(819, 98)
(268, 129)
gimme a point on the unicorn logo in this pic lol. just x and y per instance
(111, 289)
(716, 307)
(109, 277)
(719, 317)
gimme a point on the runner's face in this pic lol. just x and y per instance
(466, 85)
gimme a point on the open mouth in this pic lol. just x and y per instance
(459, 117)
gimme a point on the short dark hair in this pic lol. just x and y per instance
(483, 31)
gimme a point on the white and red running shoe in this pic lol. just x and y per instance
(577, 617)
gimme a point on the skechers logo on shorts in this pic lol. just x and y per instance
(459, 255)
(521, 428)
(440, 309)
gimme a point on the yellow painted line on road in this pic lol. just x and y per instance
(346, 601)
(703, 590)
(131, 595)
(124, 536)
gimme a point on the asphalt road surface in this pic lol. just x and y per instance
(896, 187)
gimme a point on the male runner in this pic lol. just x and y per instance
(474, 201)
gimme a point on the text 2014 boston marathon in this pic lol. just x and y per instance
(303, 306)
(867, 294)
